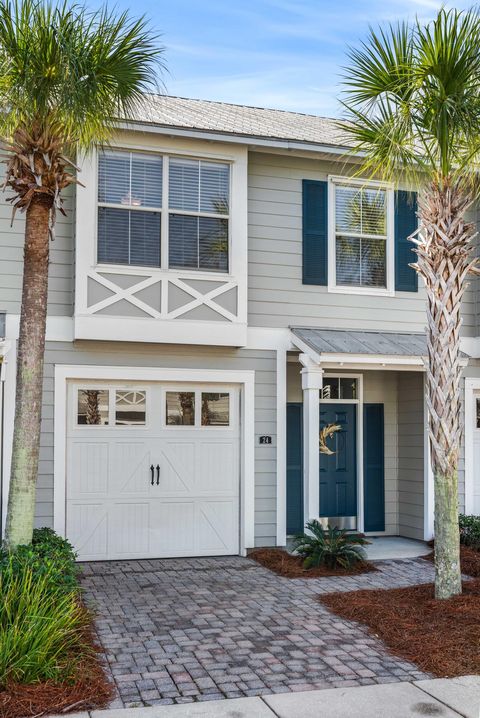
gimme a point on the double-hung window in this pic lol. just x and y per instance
(129, 208)
(361, 236)
(198, 203)
(190, 215)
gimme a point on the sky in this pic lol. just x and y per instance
(286, 54)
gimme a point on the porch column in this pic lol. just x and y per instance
(311, 384)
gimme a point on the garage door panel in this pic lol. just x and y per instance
(217, 468)
(172, 528)
(216, 527)
(89, 470)
(178, 467)
(128, 533)
(88, 529)
(131, 468)
(114, 511)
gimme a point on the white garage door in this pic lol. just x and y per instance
(152, 470)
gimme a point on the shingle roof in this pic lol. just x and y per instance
(337, 341)
(221, 117)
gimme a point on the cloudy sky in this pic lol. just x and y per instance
(286, 54)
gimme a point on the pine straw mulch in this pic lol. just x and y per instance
(285, 564)
(91, 690)
(440, 637)
(469, 561)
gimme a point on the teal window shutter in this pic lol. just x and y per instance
(406, 222)
(315, 232)
(295, 522)
(373, 467)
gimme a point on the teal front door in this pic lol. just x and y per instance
(338, 471)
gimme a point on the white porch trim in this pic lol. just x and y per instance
(428, 486)
(245, 379)
(471, 385)
(312, 382)
(281, 454)
(359, 441)
(8, 370)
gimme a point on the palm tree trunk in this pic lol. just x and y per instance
(28, 399)
(444, 260)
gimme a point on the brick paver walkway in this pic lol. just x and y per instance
(175, 631)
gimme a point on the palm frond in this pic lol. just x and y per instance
(411, 99)
(66, 65)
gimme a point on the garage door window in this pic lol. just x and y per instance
(215, 409)
(130, 408)
(180, 406)
(92, 407)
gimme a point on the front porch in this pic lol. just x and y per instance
(377, 478)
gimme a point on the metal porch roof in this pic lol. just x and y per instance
(339, 341)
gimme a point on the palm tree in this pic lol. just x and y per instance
(412, 108)
(66, 74)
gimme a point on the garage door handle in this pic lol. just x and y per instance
(158, 474)
(152, 470)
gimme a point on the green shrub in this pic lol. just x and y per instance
(470, 530)
(331, 547)
(42, 626)
(48, 553)
(42, 622)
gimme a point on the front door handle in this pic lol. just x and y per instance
(152, 470)
(158, 474)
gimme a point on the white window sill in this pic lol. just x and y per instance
(152, 271)
(359, 291)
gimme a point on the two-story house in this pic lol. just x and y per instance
(220, 290)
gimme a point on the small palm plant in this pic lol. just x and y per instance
(331, 547)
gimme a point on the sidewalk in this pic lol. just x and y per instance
(443, 698)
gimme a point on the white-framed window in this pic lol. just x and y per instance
(361, 236)
(110, 406)
(146, 199)
(198, 409)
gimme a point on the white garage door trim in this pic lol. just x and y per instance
(244, 379)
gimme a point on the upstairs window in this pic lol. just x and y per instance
(129, 212)
(361, 236)
(198, 214)
(137, 213)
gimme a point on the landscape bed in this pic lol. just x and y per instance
(440, 637)
(289, 566)
(91, 690)
(49, 659)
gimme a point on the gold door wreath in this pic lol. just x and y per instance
(327, 431)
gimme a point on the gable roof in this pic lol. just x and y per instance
(240, 120)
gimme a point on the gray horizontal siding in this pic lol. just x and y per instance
(277, 296)
(61, 273)
(143, 355)
(410, 454)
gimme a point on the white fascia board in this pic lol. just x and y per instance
(132, 329)
(59, 329)
(471, 346)
(276, 338)
(237, 139)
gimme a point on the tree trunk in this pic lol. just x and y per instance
(444, 260)
(30, 355)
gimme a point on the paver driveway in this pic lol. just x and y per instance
(175, 631)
